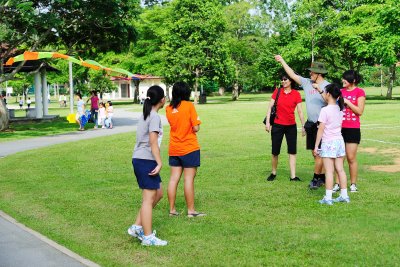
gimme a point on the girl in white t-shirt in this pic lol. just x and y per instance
(102, 115)
(332, 148)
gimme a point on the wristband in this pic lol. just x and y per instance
(322, 91)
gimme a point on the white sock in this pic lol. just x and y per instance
(343, 193)
(137, 226)
(328, 194)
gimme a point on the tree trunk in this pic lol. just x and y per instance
(3, 116)
(196, 85)
(392, 78)
(136, 99)
(235, 90)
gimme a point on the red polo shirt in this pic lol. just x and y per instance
(286, 106)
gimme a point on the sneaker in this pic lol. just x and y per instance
(342, 199)
(326, 201)
(136, 231)
(336, 188)
(271, 177)
(353, 188)
(313, 184)
(295, 179)
(152, 240)
(320, 182)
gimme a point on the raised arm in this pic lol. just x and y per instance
(288, 69)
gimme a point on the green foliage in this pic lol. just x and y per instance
(194, 45)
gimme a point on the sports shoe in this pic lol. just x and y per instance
(136, 231)
(336, 188)
(326, 201)
(152, 240)
(313, 184)
(320, 182)
(353, 188)
(341, 199)
(295, 179)
(271, 177)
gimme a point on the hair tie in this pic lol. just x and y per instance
(148, 97)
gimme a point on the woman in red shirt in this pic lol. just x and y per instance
(285, 124)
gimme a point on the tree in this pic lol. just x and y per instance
(194, 47)
(79, 26)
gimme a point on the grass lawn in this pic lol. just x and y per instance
(84, 196)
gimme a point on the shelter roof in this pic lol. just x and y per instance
(29, 66)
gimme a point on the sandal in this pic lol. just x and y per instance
(174, 214)
(197, 214)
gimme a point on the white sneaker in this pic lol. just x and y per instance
(353, 188)
(336, 188)
(136, 231)
(326, 201)
(342, 199)
(152, 240)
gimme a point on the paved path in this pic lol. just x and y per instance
(21, 246)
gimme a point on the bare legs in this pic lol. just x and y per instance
(292, 164)
(318, 164)
(330, 166)
(188, 176)
(351, 155)
(150, 198)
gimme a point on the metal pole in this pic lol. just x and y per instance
(71, 89)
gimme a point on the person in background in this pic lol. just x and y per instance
(80, 111)
(94, 108)
(184, 149)
(314, 102)
(146, 161)
(21, 103)
(102, 115)
(288, 101)
(28, 102)
(110, 114)
(332, 149)
(354, 101)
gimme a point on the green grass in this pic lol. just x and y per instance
(84, 195)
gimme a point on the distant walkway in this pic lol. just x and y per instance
(21, 246)
(124, 121)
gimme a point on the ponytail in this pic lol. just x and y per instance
(334, 90)
(154, 95)
(341, 102)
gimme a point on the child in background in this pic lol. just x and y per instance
(110, 114)
(80, 105)
(28, 102)
(332, 147)
(146, 161)
(102, 115)
(21, 103)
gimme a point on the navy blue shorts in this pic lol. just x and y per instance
(190, 160)
(142, 168)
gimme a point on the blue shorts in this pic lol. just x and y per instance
(190, 160)
(142, 168)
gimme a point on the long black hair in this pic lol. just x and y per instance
(334, 90)
(154, 95)
(352, 76)
(180, 92)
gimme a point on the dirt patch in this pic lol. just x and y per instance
(395, 167)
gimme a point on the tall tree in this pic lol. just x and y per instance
(195, 50)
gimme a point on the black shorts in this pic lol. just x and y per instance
(190, 160)
(290, 132)
(351, 135)
(311, 135)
